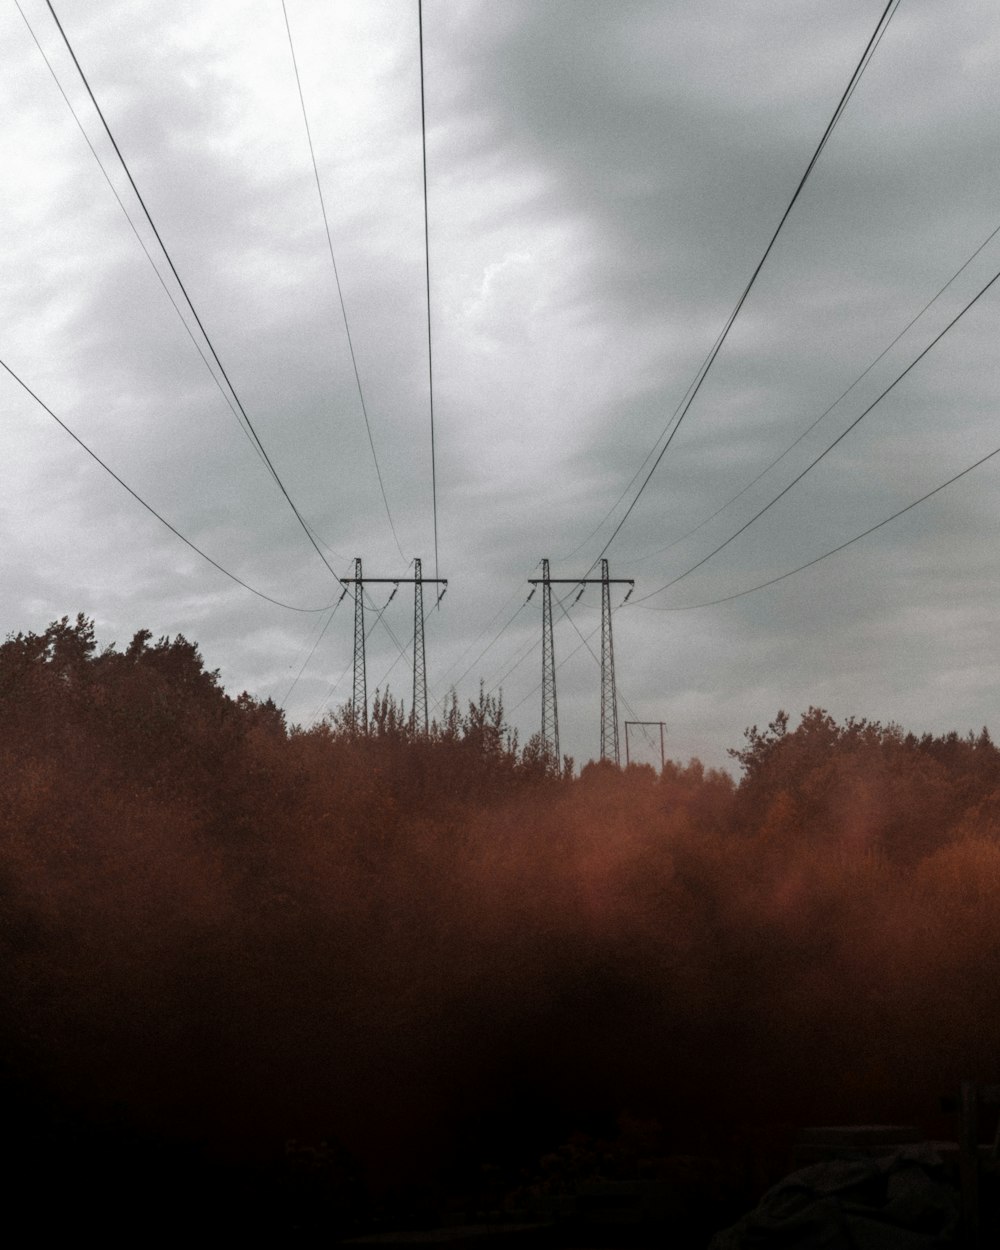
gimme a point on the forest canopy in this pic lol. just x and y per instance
(429, 949)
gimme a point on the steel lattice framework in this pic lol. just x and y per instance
(609, 694)
(418, 718)
(418, 714)
(359, 696)
(550, 710)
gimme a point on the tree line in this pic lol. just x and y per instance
(372, 962)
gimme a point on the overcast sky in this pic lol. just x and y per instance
(604, 176)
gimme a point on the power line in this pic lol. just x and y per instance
(601, 664)
(486, 628)
(142, 243)
(336, 276)
(609, 699)
(369, 630)
(636, 475)
(610, 693)
(693, 390)
(840, 437)
(401, 656)
(429, 623)
(527, 650)
(187, 297)
(826, 412)
(584, 642)
(329, 694)
(159, 276)
(688, 607)
(360, 581)
(402, 650)
(323, 543)
(334, 685)
(389, 630)
(368, 633)
(458, 680)
(149, 507)
(312, 652)
(427, 273)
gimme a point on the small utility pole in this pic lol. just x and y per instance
(609, 698)
(662, 725)
(418, 713)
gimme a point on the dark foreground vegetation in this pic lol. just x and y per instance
(299, 981)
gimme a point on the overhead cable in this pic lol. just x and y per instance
(312, 652)
(227, 398)
(597, 660)
(427, 274)
(187, 298)
(773, 581)
(680, 411)
(887, 15)
(526, 650)
(142, 243)
(584, 642)
(486, 628)
(826, 450)
(826, 412)
(336, 278)
(150, 509)
(458, 680)
(368, 633)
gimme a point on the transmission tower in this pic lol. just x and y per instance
(359, 697)
(609, 702)
(419, 711)
(418, 716)
(609, 696)
(550, 710)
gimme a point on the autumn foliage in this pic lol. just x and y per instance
(388, 960)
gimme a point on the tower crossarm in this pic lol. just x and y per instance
(568, 581)
(396, 581)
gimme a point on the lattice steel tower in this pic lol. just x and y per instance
(550, 712)
(359, 703)
(609, 696)
(609, 701)
(359, 697)
(419, 712)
